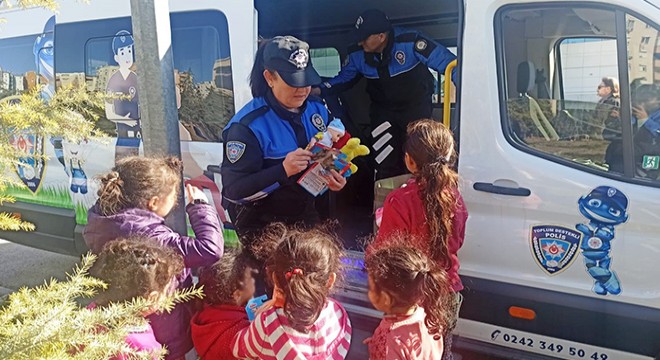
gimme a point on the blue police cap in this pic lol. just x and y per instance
(370, 22)
(290, 58)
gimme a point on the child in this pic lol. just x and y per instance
(411, 291)
(228, 286)
(132, 268)
(433, 189)
(133, 199)
(301, 322)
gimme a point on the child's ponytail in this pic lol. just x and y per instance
(134, 180)
(431, 146)
(303, 265)
(111, 197)
(436, 300)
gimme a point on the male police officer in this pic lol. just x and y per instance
(395, 62)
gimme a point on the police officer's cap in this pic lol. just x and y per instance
(370, 22)
(290, 58)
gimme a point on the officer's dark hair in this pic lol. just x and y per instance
(258, 83)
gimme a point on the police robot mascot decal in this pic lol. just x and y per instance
(604, 207)
(32, 166)
(124, 111)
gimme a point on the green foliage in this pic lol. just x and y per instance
(71, 113)
(46, 322)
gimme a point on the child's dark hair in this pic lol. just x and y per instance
(302, 262)
(431, 146)
(408, 276)
(226, 276)
(135, 180)
(134, 267)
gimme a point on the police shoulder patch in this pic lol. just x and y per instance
(234, 149)
(317, 121)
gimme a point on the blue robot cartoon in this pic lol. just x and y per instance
(604, 207)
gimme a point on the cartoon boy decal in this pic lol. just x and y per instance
(125, 112)
(604, 207)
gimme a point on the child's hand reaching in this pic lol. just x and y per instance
(194, 193)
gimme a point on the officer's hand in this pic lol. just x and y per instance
(335, 181)
(296, 161)
(316, 91)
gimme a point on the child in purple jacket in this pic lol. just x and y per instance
(134, 199)
(132, 268)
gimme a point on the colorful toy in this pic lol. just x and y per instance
(350, 151)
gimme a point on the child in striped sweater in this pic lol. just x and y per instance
(301, 321)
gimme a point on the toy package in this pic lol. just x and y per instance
(253, 305)
(323, 160)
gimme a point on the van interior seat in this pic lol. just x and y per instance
(526, 80)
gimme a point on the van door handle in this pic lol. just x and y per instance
(502, 190)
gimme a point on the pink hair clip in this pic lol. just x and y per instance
(296, 271)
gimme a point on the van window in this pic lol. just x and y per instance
(326, 61)
(202, 62)
(17, 65)
(553, 99)
(644, 74)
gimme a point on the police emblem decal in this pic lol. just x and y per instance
(554, 247)
(235, 150)
(400, 57)
(359, 22)
(318, 122)
(299, 58)
(421, 45)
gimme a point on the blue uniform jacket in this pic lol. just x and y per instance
(399, 75)
(257, 139)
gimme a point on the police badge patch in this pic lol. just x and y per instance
(554, 247)
(318, 122)
(235, 150)
(400, 57)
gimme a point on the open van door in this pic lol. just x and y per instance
(561, 249)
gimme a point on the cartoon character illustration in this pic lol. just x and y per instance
(75, 154)
(31, 166)
(43, 50)
(604, 207)
(125, 111)
(334, 132)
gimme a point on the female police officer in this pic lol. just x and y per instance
(264, 142)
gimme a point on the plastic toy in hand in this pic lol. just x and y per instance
(350, 151)
(335, 131)
(253, 305)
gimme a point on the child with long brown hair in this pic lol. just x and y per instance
(134, 199)
(132, 268)
(412, 293)
(429, 206)
(301, 321)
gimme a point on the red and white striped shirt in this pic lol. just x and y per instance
(269, 336)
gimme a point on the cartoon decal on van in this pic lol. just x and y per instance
(554, 247)
(604, 207)
(124, 112)
(30, 168)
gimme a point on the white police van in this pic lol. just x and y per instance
(561, 252)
